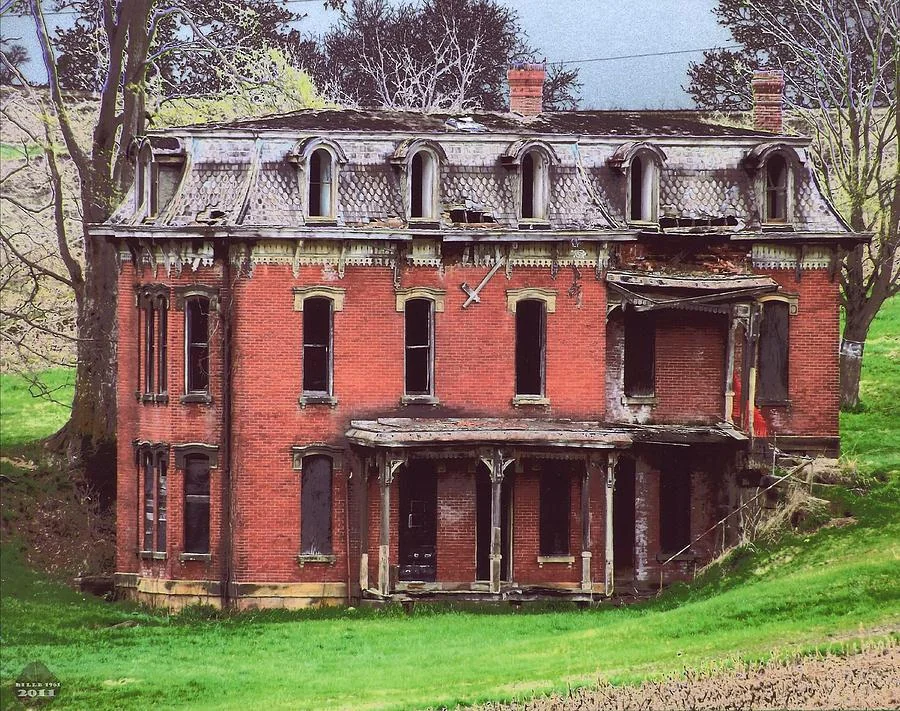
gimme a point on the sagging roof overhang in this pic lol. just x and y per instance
(406, 433)
(647, 291)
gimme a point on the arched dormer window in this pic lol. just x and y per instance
(319, 161)
(531, 160)
(159, 166)
(773, 166)
(419, 163)
(641, 163)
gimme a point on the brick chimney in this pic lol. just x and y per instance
(526, 88)
(768, 100)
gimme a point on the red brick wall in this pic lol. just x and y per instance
(456, 527)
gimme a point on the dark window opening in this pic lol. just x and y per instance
(149, 345)
(530, 340)
(417, 187)
(320, 183)
(419, 346)
(152, 343)
(776, 189)
(161, 500)
(154, 471)
(637, 196)
(315, 506)
(196, 504)
(528, 183)
(161, 350)
(317, 345)
(640, 354)
(674, 511)
(555, 510)
(774, 342)
(197, 327)
(149, 497)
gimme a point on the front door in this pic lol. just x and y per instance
(418, 522)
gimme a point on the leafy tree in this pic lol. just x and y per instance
(842, 69)
(16, 56)
(440, 55)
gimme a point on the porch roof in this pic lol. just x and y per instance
(407, 432)
(649, 291)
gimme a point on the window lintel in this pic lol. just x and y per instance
(792, 300)
(514, 296)
(298, 452)
(210, 451)
(146, 294)
(141, 447)
(517, 150)
(183, 293)
(304, 148)
(406, 149)
(756, 157)
(334, 293)
(623, 156)
(436, 296)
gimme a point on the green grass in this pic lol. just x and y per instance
(26, 414)
(871, 436)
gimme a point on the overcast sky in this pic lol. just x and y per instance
(566, 30)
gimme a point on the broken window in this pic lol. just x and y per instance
(196, 504)
(674, 511)
(315, 505)
(154, 464)
(422, 186)
(196, 316)
(774, 342)
(530, 345)
(152, 340)
(317, 338)
(534, 186)
(419, 318)
(555, 491)
(320, 196)
(643, 189)
(776, 189)
(149, 499)
(640, 353)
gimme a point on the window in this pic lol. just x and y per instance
(555, 491)
(143, 179)
(153, 301)
(640, 354)
(154, 462)
(321, 189)
(530, 341)
(774, 342)
(315, 505)
(419, 321)
(534, 186)
(196, 504)
(317, 346)
(423, 185)
(776, 189)
(196, 328)
(643, 194)
(674, 510)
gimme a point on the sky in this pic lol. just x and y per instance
(565, 30)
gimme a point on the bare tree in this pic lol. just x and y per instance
(842, 69)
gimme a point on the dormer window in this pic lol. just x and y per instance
(643, 197)
(158, 171)
(531, 161)
(319, 161)
(423, 186)
(772, 166)
(776, 189)
(320, 196)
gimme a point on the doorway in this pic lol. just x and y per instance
(417, 544)
(483, 526)
(623, 519)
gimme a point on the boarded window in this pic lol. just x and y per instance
(315, 506)
(674, 511)
(317, 345)
(196, 504)
(419, 346)
(320, 184)
(772, 384)
(776, 189)
(555, 510)
(640, 353)
(530, 341)
(197, 328)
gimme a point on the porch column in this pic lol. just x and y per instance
(497, 466)
(609, 579)
(729, 367)
(386, 470)
(361, 467)
(586, 581)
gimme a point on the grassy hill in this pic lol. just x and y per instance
(836, 588)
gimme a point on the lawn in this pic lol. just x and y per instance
(834, 588)
(26, 414)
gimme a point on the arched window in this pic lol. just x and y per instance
(320, 196)
(317, 346)
(153, 303)
(419, 336)
(531, 328)
(196, 342)
(534, 189)
(776, 189)
(315, 505)
(143, 181)
(643, 197)
(774, 347)
(423, 174)
(196, 504)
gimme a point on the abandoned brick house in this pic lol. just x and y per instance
(370, 355)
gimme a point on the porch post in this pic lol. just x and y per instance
(362, 467)
(497, 466)
(586, 582)
(729, 367)
(386, 470)
(611, 460)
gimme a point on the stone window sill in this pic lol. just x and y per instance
(321, 221)
(153, 555)
(186, 557)
(309, 558)
(781, 226)
(415, 223)
(203, 398)
(317, 399)
(419, 400)
(160, 398)
(537, 224)
(639, 400)
(563, 559)
(530, 400)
